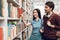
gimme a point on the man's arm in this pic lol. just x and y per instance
(57, 18)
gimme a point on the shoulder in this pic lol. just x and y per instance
(31, 21)
(44, 17)
(40, 20)
(56, 15)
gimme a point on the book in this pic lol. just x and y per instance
(24, 35)
(1, 33)
(9, 32)
(9, 7)
(13, 12)
(12, 32)
(0, 9)
(18, 28)
(20, 11)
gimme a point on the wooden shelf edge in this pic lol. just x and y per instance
(1, 18)
(13, 2)
(20, 33)
(13, 19)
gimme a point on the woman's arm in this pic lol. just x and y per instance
(27, 24)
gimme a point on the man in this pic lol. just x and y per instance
(51, 22)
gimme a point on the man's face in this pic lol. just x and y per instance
(47, 9)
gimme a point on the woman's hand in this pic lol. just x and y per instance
(26, 24)
(22, 16)
(49, 24)
(41, 31)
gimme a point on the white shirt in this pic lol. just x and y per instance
(49, 15)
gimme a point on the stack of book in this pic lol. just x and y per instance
(13, 29)
(12, 11)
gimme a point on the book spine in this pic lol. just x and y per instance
(0, 9)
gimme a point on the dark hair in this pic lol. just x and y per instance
(39, 14)
(50, 4)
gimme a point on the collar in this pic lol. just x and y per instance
(49, 14)
(38, 19)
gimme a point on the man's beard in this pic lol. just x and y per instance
(46, 12)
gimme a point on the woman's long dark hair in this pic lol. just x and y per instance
(39, 14)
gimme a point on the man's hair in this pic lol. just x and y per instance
(50, 4)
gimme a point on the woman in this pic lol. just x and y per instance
(36, 25)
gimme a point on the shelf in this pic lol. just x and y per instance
(16, 35)
(24, 29)
(13, 19)
(15, 3)
(10, 21)
(19, 33)
(1, 18)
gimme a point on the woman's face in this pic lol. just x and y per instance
(35, 13)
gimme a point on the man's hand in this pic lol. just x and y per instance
(49, 24)
(53, 26)
(41, 31)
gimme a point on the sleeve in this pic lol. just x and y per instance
(57, 18)
(31, 22)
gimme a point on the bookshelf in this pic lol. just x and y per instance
(11, 24)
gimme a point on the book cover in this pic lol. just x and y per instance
(20, 11)
(1, 34)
